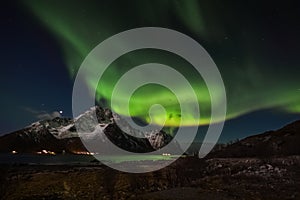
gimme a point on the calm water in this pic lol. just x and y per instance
(71, 159)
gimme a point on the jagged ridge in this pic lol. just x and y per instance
(59, 134)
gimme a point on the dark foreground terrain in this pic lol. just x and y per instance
(188, 178)
(264, 166)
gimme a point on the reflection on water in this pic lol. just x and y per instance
(72, 159)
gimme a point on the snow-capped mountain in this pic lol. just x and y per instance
(60, 135)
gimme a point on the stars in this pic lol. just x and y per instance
(60, 112)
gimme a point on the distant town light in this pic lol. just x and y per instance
(46, 152)
(84, 153)
(14, 152)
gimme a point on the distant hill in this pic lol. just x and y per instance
(282, 142)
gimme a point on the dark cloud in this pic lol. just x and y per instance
(42, 115)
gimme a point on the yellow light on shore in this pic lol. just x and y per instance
(46, 152)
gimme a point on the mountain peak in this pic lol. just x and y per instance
(60, 134)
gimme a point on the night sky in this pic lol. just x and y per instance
(255, 46)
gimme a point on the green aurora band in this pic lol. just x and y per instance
(252, 82)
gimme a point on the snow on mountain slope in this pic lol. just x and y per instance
(60, 133)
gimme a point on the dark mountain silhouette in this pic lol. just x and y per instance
(282, 142)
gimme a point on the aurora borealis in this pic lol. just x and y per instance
(252, 82)
(253, 44)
